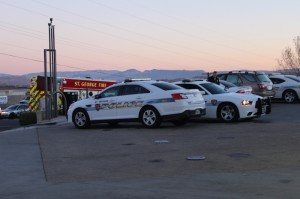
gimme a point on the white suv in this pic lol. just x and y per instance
(149, 102)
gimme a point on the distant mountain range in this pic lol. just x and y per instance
(23, 80)
(168, 75)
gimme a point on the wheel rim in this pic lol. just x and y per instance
(289, 97)
(149, 117)
(80, 119)
(227, 113)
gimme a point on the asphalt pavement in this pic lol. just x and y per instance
(248, 159)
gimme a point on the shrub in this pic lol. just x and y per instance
(27, 118)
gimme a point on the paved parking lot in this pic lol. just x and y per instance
(7, 124)
(248, 159)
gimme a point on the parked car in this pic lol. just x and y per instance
(259, 81)
(286, 87)
(14, 111)
(234, 88)
(147, 101)
(228, 107)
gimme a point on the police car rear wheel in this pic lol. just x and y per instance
(81, 119)
(150, 117)
(290, 96)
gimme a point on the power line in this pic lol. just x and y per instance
(124, 39)
(171, 29)
(68, 66)
(81, 44)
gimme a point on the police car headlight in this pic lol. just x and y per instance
(246, 102)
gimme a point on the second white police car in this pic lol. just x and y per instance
(147, 101)
(228, 107)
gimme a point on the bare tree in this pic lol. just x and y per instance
(290, 61)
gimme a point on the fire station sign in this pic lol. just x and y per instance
(85, 84)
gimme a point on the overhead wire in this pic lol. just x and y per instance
(122, 38)
(116, 36)
(170, 29)
(71, 43)
(139, 34)
(132, 32)
(68, 66)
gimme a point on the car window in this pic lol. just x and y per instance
(235, 79)
(191, 86)
(166, 86)
(277, 80)
(23, 107)
(213, 88)
(293, 78)
(263, 78)
(227, 84)
(134, 89)
(12, 107)
(111, 92)
(222, 77)
(249, 77)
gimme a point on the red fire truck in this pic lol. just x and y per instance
(74, 89)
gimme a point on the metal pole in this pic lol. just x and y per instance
(55, 83)
(51, 107)
(46, 83)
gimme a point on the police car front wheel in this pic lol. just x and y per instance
(228, 112)
(150, 117)
(81, 119)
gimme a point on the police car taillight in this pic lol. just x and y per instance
(179, 96)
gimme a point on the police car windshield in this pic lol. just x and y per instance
(227, 84)
(166, 86)
(213, 88)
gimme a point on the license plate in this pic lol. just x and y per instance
(197, 112)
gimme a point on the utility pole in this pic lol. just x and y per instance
(50, 81)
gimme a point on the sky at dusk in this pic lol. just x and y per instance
(147, 34)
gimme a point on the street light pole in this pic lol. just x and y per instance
(51, 107)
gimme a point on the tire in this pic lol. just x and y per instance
(12, 116)
(150, 117)
(81, 119)
(181, 122)
(289, 96)
(228, 112)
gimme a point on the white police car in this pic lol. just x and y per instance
(148, 101)
(287, 87)
(228, 106)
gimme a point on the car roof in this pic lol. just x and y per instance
(195, 81)
(243, 72)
